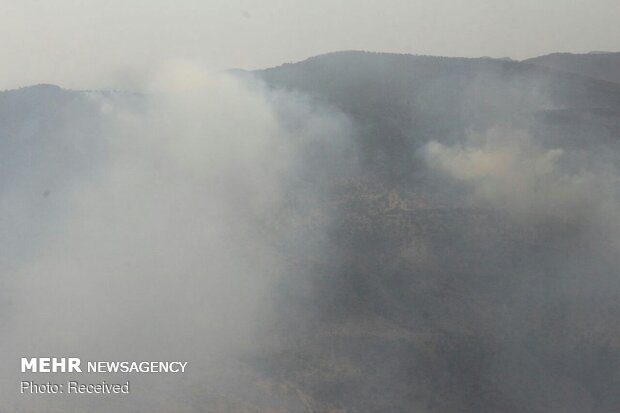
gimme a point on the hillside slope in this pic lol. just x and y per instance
(602, 66)
(462, 257)
(401, 102)
(445, 294)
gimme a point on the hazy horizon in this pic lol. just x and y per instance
(117, 45)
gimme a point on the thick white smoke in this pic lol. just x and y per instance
(171, 251)
(508, 170)
(563, 206)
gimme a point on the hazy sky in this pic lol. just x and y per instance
(114, 43)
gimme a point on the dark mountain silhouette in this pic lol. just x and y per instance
(597, 65)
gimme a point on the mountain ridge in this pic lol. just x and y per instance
(600, 65)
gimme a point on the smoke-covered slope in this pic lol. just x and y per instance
(430, 234)
(48, 143)
(470, 268)
(401, 102)
(602, 66)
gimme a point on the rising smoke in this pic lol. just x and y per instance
(170, 242)
(466, 263)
